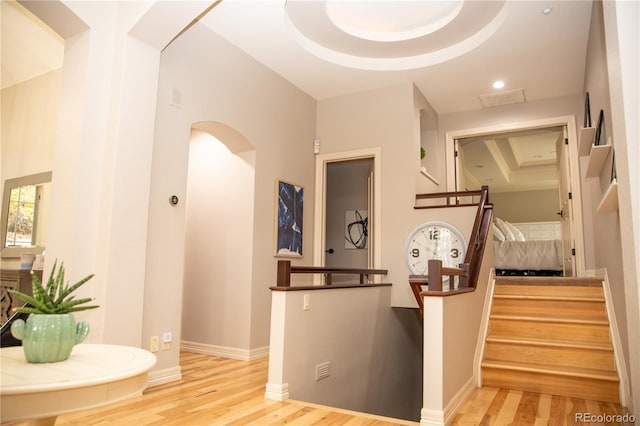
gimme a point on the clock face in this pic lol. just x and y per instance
(434, 240)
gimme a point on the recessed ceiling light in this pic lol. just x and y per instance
(498, 84)
(547, 10)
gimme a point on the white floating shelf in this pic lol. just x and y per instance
(597, 157)
(609, 202)
(587, 134)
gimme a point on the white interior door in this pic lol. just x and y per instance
(566, 207)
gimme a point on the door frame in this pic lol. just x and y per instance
(320, 204)
(574, 168)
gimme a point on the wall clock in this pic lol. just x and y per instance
(434, 240)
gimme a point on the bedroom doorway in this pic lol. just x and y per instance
(532, 172)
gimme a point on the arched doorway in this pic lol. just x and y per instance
(218, 240)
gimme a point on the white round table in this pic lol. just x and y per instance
(94, 375)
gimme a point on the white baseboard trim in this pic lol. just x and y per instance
(484, 328)
(277, 392)
(225, 351)
(459, 399)
(616, 341)
(160, 377)
(429, 417)
(596, 273)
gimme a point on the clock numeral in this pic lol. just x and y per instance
(415, 252)
(434, 234)
(455, 253)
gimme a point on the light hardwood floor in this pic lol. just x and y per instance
(220, 391)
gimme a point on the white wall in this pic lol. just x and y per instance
(29, 124)
(29, 127)
(100, 164)
(219, 83)
(622, 33)
(426, 133)
(219, 226)
(102, 159)
(387, 118)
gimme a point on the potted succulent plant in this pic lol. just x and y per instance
(50, 331)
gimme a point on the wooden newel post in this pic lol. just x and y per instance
(435, 275)
(284, 273)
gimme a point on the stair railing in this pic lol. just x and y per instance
(285, 269)
(468, 271)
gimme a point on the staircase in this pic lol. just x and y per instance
(550, 335)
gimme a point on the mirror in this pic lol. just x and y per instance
(25, 210)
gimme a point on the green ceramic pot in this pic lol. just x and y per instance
(49, 338)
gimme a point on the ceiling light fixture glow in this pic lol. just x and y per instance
(387, 21)
(547, 10)
(499, 84)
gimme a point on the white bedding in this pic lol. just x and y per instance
(528, 255)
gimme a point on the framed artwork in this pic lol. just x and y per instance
(587, 111)
(599, 128)
(288, 232)
(356, 229)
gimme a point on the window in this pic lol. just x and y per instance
(23, 203)
(23, 225)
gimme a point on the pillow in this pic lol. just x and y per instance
(508, 233)
(497, 234)
(517, 234)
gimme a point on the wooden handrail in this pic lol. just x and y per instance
(478, 240)
(448, 196)
(468, 271)
(285, 270)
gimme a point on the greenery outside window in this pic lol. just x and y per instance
(24, 214)
(23, 204)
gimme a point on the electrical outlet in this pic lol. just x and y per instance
(154, 345)
(306, 305)
(167, 338)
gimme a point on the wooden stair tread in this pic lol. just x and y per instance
(551, 335)
(537, 318)
(585, 373)
(550, 342)
(558, 298)
(555, 281)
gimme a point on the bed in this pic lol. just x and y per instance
(536, 251)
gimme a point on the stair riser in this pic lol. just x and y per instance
(593, 333)
(550, 309)
(592, 389)
(562, 357)
(550, 291)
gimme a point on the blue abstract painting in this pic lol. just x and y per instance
(289, 227)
